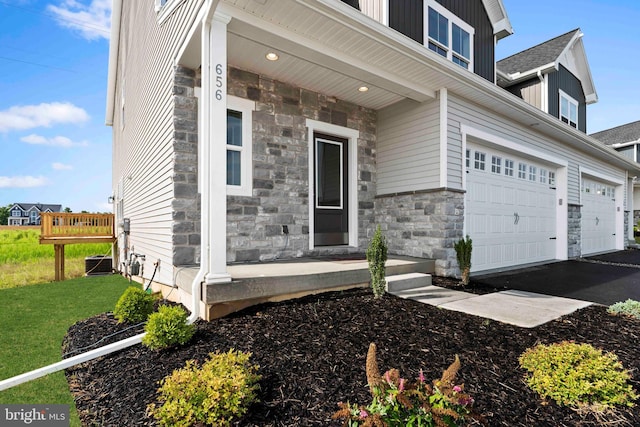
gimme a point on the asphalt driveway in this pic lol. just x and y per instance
(597, 281)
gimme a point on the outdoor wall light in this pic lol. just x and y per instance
(272, 56)
(111, 199)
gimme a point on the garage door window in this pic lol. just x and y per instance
(552, 178)
(508, 167)
(533, 173)
(522, 171)
(496, 164)
(479, 160)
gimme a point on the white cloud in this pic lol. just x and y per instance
(56, 141)
(61, 167)
(91, 21)
(22, 181)
(23, 117)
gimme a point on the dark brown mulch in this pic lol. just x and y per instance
(312, 352)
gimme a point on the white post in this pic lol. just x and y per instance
(214, 90)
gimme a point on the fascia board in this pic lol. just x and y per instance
(114, 45)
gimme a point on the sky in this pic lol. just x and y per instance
(55, 148)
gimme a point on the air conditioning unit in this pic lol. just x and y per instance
(97, 265)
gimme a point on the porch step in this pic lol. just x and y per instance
(402, 282)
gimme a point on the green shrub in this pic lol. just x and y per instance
(134, 306)
(577, 375)
(627, 308)
(377, 257)
(463, 249)
(167, 327)
(214, 394)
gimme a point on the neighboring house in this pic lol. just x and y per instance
(553, 76)
(626, 140)
(232, 119)
(29, 213)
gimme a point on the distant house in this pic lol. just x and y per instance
(29, 213)
(626, 140)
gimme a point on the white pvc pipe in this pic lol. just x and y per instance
(72, 361)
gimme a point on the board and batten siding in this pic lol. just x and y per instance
(143, 154)
(570, 84)
(461, 111)
(408, 150)
(407, 17)
(530, 91)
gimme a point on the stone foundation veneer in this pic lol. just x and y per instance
(574, 231)
(424, 224)
(186, 200)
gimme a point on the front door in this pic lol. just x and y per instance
(331, 219)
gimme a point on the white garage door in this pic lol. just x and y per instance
(510, 211)
(598, 217)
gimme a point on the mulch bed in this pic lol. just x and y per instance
(312, 353)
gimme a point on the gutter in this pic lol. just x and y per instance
(114, 46)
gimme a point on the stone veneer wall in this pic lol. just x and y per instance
(186, 202)
(424, 225)
(574, 231)
(281, 169)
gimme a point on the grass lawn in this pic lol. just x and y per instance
(24, 261)
(34, 319)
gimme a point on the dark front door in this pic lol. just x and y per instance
(331, 216)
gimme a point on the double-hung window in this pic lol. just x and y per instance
(448, 35)
(568, 110)
(239, 144)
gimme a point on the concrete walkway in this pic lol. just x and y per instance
(520, 308)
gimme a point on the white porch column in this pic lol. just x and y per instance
(214, 141)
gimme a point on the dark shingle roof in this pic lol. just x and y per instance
(40, 206)
(536, 56)
(620, 134)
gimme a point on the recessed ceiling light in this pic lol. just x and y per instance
(363, 89)
(272, 56)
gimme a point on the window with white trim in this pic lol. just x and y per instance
(508, 167)
(568, 110)
(522, 171)
(543, 176)
(479, 160)
(552, 178)
(239, 146)
(468, 158)
(496, 164)
(16, 212)
(448, 35)
(533, 173)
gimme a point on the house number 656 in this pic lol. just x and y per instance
(219, 70)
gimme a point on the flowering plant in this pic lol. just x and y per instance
(398, 402)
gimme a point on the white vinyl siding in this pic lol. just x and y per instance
(408, 148)
(463, 112)
(143, 153)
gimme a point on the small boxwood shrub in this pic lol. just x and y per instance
(627, 308)
(216, 394)
(167, 327)
(577, 375)
(134, 306)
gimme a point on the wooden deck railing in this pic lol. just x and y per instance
(60, 229)
(76, 225)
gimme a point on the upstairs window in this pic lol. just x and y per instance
(568, 110)
(448, 35)
(16, 212)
